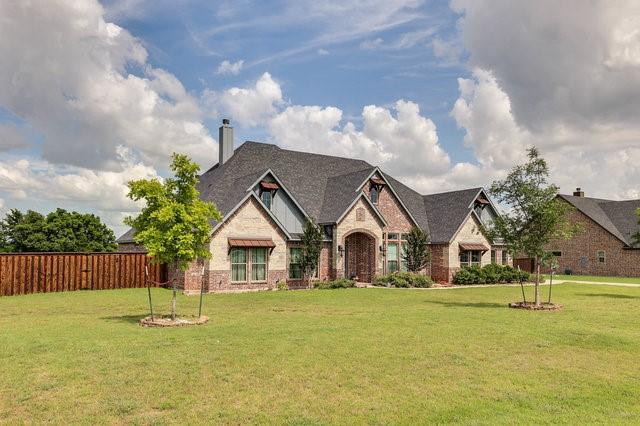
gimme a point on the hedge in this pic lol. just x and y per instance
(490, 274)
(403, 280)
(330, 285)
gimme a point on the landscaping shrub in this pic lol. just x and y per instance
(330, 285)
(282, 285)
(403, 280)
(490, 274)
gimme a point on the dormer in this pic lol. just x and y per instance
(267, 190)
(376, 184)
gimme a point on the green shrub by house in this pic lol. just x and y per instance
(330, 285)
(403, 280)
(490, 274)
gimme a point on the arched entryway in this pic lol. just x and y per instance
(360, 256)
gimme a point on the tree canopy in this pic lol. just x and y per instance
(636, 237)
(416, 251)
(174, 226)
(311, 248)
(535, 216)
(58, 231)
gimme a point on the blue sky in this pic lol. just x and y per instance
(313, 65)
(441, 94)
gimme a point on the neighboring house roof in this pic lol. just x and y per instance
(619, 218)
(324, 187)
(447, 211)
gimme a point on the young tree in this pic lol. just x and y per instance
(311, 247)
(416, 251)
(59, 231)
(534, 215)
(174, 225)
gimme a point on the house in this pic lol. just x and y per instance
(266, 194)
(605, 246)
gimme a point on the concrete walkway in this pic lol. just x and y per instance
(559, 282)
(599, 283)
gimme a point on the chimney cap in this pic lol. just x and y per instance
(226, 121)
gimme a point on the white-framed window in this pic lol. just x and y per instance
(470, 258)
(258, 264)
(266, 198)
(238, 264)
(392, 236)
(493, 257)
(601, 255)
(505, 257)
(295, 268)
(403, 263)
(392, 257)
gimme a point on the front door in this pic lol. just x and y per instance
(359, 258)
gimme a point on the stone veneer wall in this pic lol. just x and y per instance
(580, 252)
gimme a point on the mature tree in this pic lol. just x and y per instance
(174, 226)
(416, 251)
(311, 248)
(535, 216)
(59, 231)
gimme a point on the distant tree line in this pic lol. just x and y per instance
(58, 231)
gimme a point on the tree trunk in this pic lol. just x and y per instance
(537, 283)
(173, 302)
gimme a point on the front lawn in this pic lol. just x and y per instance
(592, 278)
(323, 356)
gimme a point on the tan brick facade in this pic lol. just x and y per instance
(580, 253)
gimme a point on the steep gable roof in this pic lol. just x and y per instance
(447, 211)
(616, 217)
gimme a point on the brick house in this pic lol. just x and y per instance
(606, 246)
(266, 194)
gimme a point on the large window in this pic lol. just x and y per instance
(470, 258)
(258, 264)
(295, 268)
(505, 257)
(392, 257)
(238, 264)
(403, 263)
(248, 262)
(493, 256)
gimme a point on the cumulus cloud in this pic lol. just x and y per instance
(249, 106)
(567, 81)
(85, 85)
(232, 68)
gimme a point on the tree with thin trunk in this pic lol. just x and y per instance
(174, 226)
(416, 251)
(311, 248)
(534, 216)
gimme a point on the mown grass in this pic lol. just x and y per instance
(593, 278)
(315, 357)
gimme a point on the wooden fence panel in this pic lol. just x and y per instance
(24, 273)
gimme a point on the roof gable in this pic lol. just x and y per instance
(447, 212)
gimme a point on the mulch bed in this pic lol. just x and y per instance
(168, 322)
(530, 306)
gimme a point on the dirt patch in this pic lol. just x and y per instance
(168, 322)
(530, 306)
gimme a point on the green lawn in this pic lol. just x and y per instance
(623, 280)
(315, 357)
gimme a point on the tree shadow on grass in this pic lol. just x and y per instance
(609, 295)
(468, 304)
(130, 319)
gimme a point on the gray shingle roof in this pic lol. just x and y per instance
(324, 186)
(616, 217)
(446, 212)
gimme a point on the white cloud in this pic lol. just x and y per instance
(85, 85)
(249, 106)
(567, 81)
(232, 68)
(322, 52)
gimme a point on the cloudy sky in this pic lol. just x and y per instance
(443, 95)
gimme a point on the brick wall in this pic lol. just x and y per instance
(580, 252)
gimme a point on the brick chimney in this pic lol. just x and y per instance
(225, 141)
(578, 193)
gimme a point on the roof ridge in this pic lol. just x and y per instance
(478, 188)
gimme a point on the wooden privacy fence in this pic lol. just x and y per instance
(24, 273)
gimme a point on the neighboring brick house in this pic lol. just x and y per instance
(266, 194)
(605, 246)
